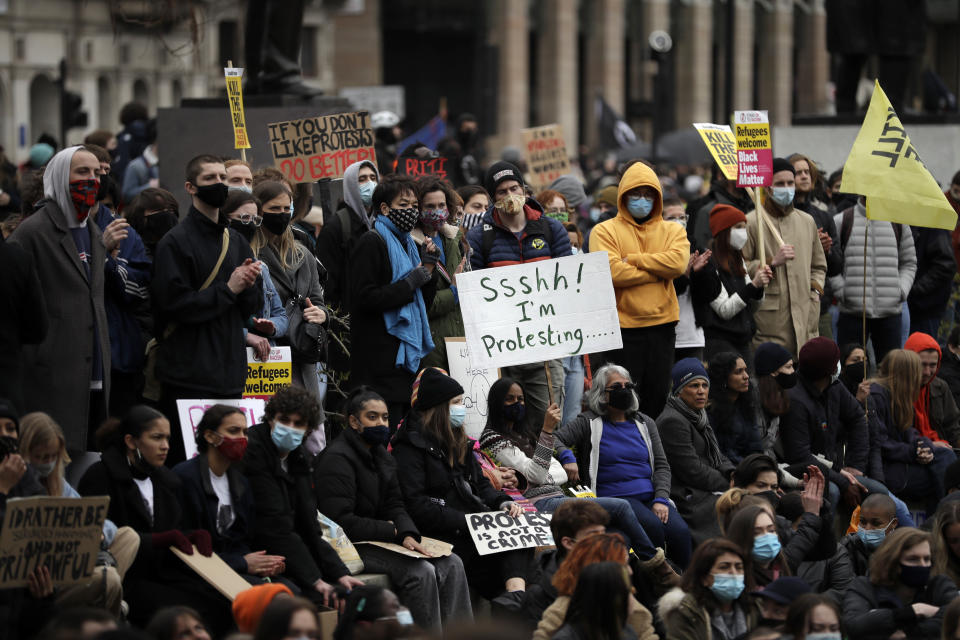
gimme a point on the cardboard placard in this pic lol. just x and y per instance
(754, 148)
(546, 154)
(235, 98)
(190, 412)
(311, 149)
(496, 531)
(476, 382)
(437, 548)
(62, 534)
(721, 144)
(266, 378)
(418, 167)
(539, 311)
(215, 571)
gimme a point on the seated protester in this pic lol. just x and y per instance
(619, 454)
(372, 612)
(442, 481)
(391, 288)
(177, 623)
(731, 501)
(357, 487)
(775, 599)
(731, 409)
(898, 594)
(285, 504)
(218, 498)
(508, 441)
(145, 495)
(44, 447)
(249, 605)
(945, 545)
(597, 548)
(830, 576)
(79, 623)
(599, 605)
(913, 467)
(288, 618)
(813, 616)
(776, 376)
(878, 519)
(935, 411)
(852, 372)
(713, 600)
(699, 469)
(949, 370)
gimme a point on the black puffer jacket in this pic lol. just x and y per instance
(358, 488)
(872, 612)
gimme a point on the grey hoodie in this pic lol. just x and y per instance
(56, 185)
(351, 191)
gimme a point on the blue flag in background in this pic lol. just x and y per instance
(429, 134)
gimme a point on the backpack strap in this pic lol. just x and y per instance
(344, 216)
(486, 243)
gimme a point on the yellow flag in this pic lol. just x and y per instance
(885, 167)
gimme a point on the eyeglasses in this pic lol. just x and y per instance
(250, 218)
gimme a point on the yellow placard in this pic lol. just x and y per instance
(235, 97)
(721, 144)
(266, 378)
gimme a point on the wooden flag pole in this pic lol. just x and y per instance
(866, 231)
(546, 368)
(760, 225)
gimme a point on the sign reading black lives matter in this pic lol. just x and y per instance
(540, 310)
(60, 533)
(311, 149)
(497, 531)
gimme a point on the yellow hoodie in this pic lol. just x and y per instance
(644, 258)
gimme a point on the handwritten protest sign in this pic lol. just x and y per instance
(235, 97)
(266, 378)
(310, 149)
(190, 412)
(215, 571)
(722, 146)
(497, 531)
(418, 167)
(539, 311)
(62, 534)
(436, 548)
(475, 381)
(546, 154)
(754, 148)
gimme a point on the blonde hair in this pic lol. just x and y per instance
(901, 373)
(290, 252)
(37, 429)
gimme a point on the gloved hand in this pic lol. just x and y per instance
(430, 258)
(172, 538)
(417, 277)
(201, 538)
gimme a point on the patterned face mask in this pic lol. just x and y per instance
(404, 219)
(433, 219)
(84, 195)
(511, 204)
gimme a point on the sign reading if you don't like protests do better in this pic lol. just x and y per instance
(312, 149)
(540, 310)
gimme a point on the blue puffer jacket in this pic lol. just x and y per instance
(542, 239)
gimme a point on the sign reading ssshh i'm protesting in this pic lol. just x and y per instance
(540, 310)
(321, 147)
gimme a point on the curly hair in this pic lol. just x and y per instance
(290, 400)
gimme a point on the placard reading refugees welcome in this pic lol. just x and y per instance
(497, 531)
(311, 149)
(754, 148)
(62, 534)
(266, 378)
(539, 311)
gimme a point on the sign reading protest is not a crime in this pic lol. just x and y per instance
(540, 310)
(62, 534)
(498, 531)
(546, 154)
(311, 149)
(754, 148)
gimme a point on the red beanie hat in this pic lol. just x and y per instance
(723, 216)
(249, 605)
(818, 358)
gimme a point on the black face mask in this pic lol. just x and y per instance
(620, 399)
(213, 195)
(467, 138)
(771, 497)
(104, 190)
(276, 223)
(851, 375)
(157, 226)
(786, 380)
(246, 230)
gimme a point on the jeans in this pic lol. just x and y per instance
(884, 332)
(673, 536)
(572, 387)
(925, 481)
(622, 520)
(903, 513)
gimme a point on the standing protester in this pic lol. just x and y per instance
(26, 320)
(152, 214)
(936, 268)
(68, 374)
(515, 230)
(722, 191)
(239, 175)
(645, 254)
(143, 172)
(690, 337)
(476, 201)
(789, 313)
(205, 287)
(891, 264)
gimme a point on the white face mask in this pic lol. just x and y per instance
(738, 238)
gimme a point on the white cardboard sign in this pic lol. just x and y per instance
(476, 382)
(539, 311)
(497, 531)
(190, 412)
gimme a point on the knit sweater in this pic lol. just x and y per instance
(544, 473)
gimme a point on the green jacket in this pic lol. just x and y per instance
(444, 314)
(685, 619)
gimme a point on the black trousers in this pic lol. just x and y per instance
(647, 354)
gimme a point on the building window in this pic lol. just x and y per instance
(124, 53)
(227, 43)
(308, 52)
(20, 49)
(88, 51)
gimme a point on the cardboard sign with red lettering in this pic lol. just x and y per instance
(312, 149)
(546, 154)
(416, 167)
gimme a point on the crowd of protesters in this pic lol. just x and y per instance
(771, 453)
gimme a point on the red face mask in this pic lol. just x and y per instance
(233, 448)
(84, 195)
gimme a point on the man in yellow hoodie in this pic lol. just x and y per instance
(646, 254)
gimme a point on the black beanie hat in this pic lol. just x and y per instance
(780, 164)
(7, 410)
(769, 357)
(497, 173)
(433, 387)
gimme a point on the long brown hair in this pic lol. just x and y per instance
(774, 399)
(702, 562)
(436, 425)
(901, 374)
(290, 252)
(728, 258)
(945, 561)
(38, 429)
(885, 561)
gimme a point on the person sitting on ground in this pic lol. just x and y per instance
(79, 623)
(288, 618)
(877, 520)
(731, 407)
(775, 599)
(813, 616)
(599, 605)
(249, 605)
(177, 623)
(945, 546)
(373, 612)
(935, 411)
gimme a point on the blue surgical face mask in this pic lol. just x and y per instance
(826, 635)
(872, 538)
(574, 251)
(458, 413)
(366, 192)
(595, 214)
(241, 187)
(286, 437)
(639, 207)
(44, 469)
(727, 587)
(782, 195)
(766, 547)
